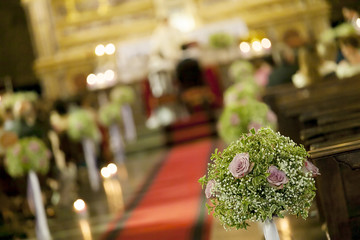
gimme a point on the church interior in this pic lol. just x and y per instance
(112, 111)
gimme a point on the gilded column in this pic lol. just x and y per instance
(41, 26)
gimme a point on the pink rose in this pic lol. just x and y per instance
(234, 119)
(271, 116)
(309, 167)
(254, 125)
(34, 147)
(209, 190)
(240, 165)
(243, 101)
(16, 150)
(277, 178)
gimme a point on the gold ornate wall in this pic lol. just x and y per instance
(65, 32)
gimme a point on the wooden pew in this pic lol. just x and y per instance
(338, 188)
(326, 117)
(297, 108)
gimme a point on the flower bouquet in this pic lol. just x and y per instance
(241, 71)
(124, 96)
(221, 40)
(81, 124)
(344, 30)
(109, 115)
(240, 117)
(8, 101)
(240, 92)
(27, 156)
(261, 175)
(82, 127)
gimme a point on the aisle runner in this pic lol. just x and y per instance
(172, 206)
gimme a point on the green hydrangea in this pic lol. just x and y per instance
(221, 40)
(109, 113)
(240, 92)
(241, 71)
(344, 30)
(9, 100)
(82, 124)
(240, 117)
(27, 154)
(235, 201)
(122, 95)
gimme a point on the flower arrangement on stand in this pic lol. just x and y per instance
(110, 115)
(221, 40)
(9, 100)
(241, 70)
(240, 92)
(243, 110)
(28, 156)
(257, 177)
(240, 117)
(82, 127)
(125, 96)
(222, 43)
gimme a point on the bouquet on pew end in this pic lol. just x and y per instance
(26, 155)
(261, 175)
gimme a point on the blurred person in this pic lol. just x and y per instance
(328, 54)
(26, 123)
(8, 117)
(164, 54)
(194, 92)
(293, 39)
(263, 70)
(350, 15)
(167, 41)
(288, 66)
(350, 66)
(309, 67)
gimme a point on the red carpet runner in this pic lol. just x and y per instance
(172, 205)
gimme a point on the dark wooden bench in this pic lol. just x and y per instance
(338, 188)
(299, 109)
(325, 117)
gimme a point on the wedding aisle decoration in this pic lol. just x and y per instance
(239, 117)
(125, 96)
(257, 177)
(110, 115)
(240, 92)
(82, 127)
(28, 156)
(221, 40)
(241, 71)
(9, 100)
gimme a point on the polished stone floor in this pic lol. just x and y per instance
(117, 191)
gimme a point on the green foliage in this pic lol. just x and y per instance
(252, 198)
(9, 100)
(240, 117)
(81, 124)
(221, 40)
(110, 113)
(27, 154)
(122, 95)
(241, 71)
(239, 92)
